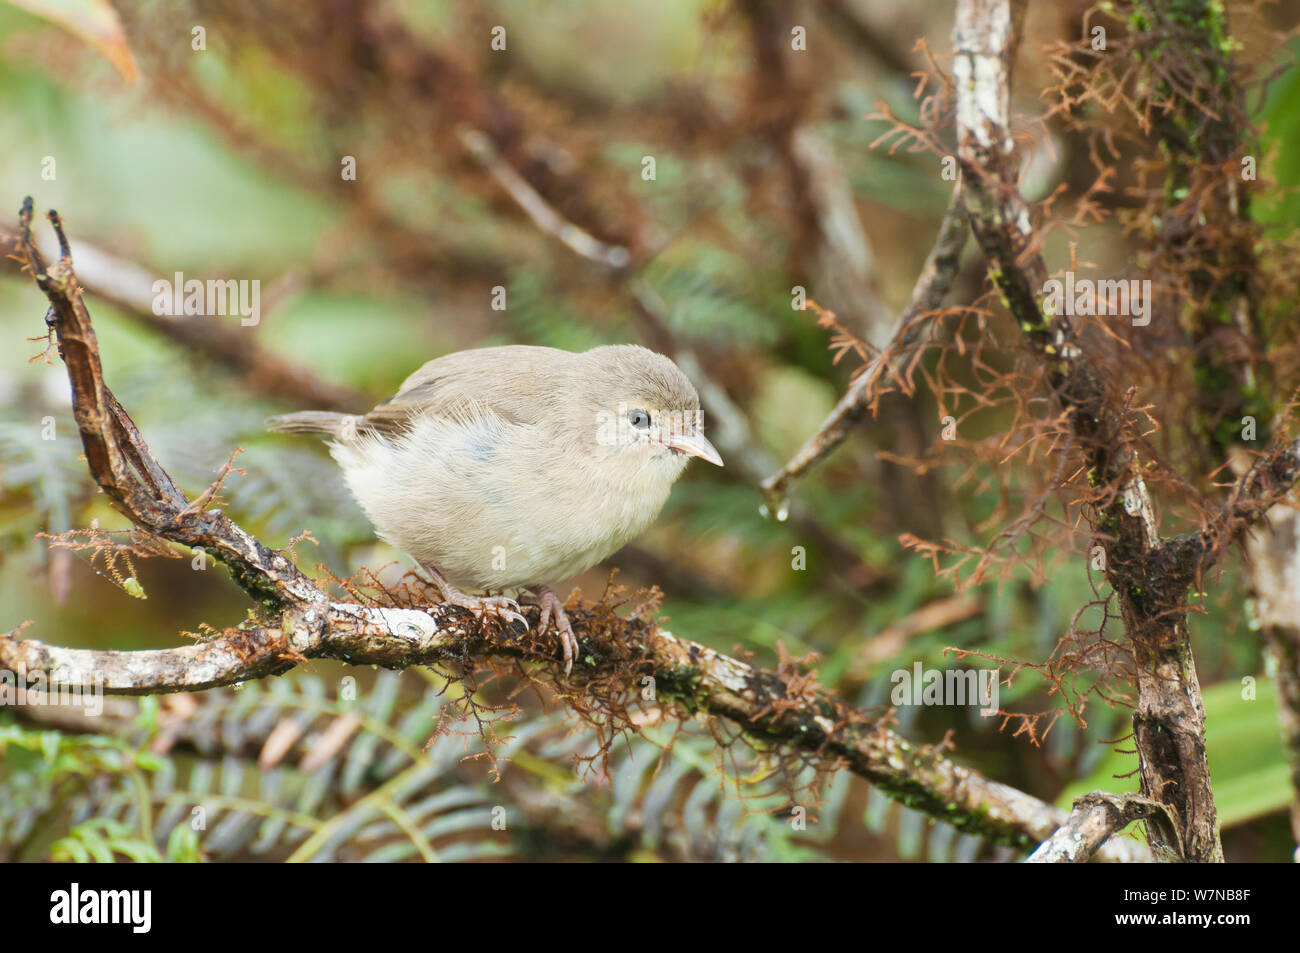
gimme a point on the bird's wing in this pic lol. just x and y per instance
(466, 386)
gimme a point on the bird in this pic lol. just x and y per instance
(517, 467)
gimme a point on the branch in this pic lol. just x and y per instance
(1274, 557)
(298, 621)
(1151, 577)
(1266, 483)
(1208, 239)
(1169, 723)
(905, 339)
(692, 676)
(580, 242)
(117, 456)
(1094, 819)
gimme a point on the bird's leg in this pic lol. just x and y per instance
(553, 607)
(499, 606)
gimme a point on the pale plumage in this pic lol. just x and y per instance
(518, 467)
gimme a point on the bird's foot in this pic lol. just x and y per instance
(553, 608)
(502, 607)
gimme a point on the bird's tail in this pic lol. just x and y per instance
(310, 421)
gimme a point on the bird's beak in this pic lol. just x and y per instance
(696, 444)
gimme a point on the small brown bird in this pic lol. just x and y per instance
(518, 467)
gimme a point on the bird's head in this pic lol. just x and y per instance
(644, 409)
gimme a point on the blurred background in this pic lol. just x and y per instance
(664, 173)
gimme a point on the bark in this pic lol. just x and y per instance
(1095, 818)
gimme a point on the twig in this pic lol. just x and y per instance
(117, 456)
(580, 242)
(1267, 481)
(906, 338)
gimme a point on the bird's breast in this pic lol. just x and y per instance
(496, 504)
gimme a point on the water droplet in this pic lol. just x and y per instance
(778, 510)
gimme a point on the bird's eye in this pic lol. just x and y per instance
(640, 419)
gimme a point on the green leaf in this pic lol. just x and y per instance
(101, 839)
(183, 845)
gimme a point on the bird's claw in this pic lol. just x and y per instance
(502, 607)
(552, 606)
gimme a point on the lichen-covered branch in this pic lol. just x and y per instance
(685, 674)
(1095, 819)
